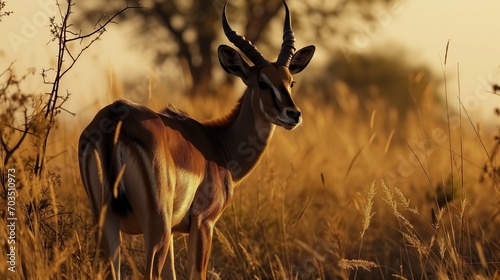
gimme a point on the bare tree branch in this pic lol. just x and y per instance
(102, 27)
(61, 34)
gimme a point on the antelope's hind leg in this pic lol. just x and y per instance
(157, 239)
(106, 221)
(168, 271)
(109, 239)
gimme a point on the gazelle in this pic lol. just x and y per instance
(155, 173)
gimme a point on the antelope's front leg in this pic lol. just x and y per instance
(200, 243)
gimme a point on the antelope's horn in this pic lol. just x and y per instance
(243, 44)
(288, 46)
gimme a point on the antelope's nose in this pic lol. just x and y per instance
(293, 114)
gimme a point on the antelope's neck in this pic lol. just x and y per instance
(243, 138)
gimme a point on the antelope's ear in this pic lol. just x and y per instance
(233, 63)
(300, 59)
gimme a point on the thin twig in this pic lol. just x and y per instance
(9, 68)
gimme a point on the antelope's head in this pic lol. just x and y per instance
(269, 83)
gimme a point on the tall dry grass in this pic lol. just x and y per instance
(344, 196)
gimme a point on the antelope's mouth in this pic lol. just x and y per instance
(288, 124)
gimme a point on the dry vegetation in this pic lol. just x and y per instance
(344, 196)
(348, 195)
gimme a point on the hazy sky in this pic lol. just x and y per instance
(423, 27)
(472, 28)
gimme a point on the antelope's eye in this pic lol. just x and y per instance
(263, 85)
(292, 84)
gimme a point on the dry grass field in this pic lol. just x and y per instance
(345, 196)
